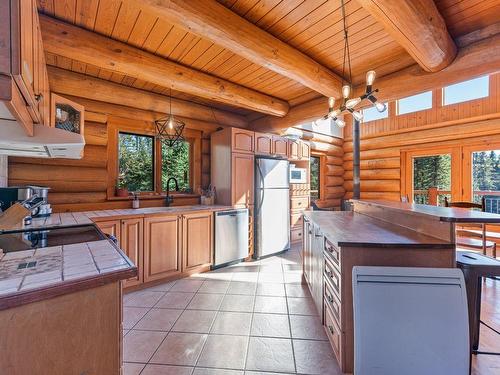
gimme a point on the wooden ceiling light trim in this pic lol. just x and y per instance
(80, 85)
(419, 27)
(75, 43)
(479, 58)
(211, 20)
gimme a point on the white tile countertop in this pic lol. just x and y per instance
(88, 217)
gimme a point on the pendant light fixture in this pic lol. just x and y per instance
(169, 129)
(348, 104)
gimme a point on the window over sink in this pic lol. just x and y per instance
(145, 164)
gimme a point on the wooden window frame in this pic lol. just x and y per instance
(118, 125)
(322, 173)
(461, 159)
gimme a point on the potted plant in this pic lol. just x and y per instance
(121, 188)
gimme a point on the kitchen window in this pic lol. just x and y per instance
(136, 162)
(176, 161)
(145, 164)
(372, 114)
(315, 168)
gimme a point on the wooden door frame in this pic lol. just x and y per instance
(467, 165)
(407, 168)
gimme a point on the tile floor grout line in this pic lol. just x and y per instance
(291, 333)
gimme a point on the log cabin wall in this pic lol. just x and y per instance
(330, 151)
(3, 171)
(384, 141)
(78, 185)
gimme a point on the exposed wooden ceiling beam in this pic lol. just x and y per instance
(80, 85)
(480, 58)
(418, 27)
(70, 41)
(211, 20)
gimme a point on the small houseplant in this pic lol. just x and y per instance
(121, 187)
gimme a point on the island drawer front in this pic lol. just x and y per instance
(299, 203)
(333, 302)
(334, 334)
(333, 253)
(333, 276)
(296, 219)
(296, 234)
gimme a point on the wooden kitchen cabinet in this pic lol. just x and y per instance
(197, 240)
(24, 87)
(162, 247)
(293, 150)
(242, 175)
(305, 150)
(132, 242)
(111, 227)
(280, 146)
(242, 140)
(263, 144)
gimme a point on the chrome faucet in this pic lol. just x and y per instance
(170, 199)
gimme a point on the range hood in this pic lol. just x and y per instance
(46, 143)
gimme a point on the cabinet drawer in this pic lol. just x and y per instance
(333, 302)
(333, 276)
(299, 203)
(333, 253)
(296, 235)
(334, 334)
(296, 219)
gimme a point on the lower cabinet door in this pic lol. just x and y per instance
(197, 240)
(131, 242)
(162, 247)
(111, 228)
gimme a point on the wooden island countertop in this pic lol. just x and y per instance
(345, 228)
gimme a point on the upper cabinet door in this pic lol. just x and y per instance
(263, 144)
(293, 150)
(280, 146)
(24, 64)
(305, 150)
(242, 141)
(242, 172)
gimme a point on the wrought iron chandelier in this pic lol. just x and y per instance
(348, 105)
(169, 129)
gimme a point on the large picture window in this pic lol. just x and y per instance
(314, 170)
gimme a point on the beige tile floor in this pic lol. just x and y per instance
(253, 318)
(249, 319)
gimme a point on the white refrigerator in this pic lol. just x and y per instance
(272, 206)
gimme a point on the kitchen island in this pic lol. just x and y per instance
(62, 299)
(373, 234)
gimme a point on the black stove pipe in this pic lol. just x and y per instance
(356, 194)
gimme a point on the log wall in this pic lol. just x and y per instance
(383, 141)
(78, 185)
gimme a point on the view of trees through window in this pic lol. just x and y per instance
(136, 162)
(486, 178)
(314, 176)
(431, 171)
(175, 163)
(136, 154)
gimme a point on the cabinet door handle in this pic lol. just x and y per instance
(330, 329)
(329, 298)
(39, 97)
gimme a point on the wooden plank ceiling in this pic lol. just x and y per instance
(312, 26)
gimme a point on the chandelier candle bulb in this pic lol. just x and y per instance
(346, 90)
(331, 103)
(351, 103)
(340, 123)
(357, 115)
(381, 107)
(370, 77)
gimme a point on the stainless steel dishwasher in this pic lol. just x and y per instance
(231, 236)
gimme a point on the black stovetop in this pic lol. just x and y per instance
(40, 238)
